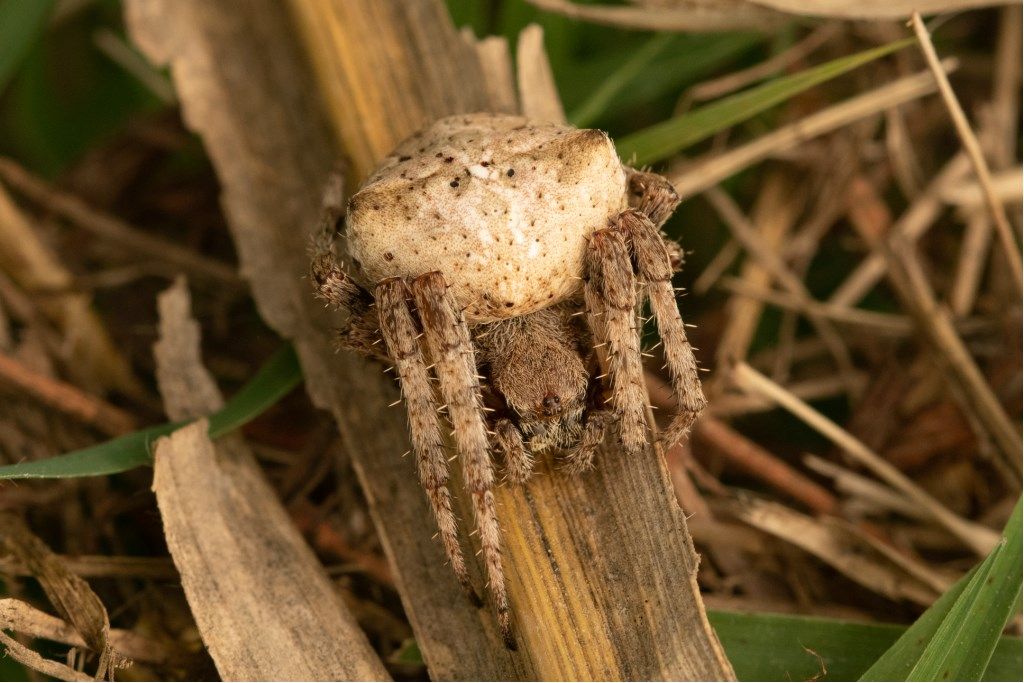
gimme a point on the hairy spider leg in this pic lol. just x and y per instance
(581, 458)
(652, 194)
(508, 441)
(654, 267)
(448, 342)
(609, 292)
(360, 332)
(400, 336)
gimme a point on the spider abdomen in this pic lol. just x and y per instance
(501, 206)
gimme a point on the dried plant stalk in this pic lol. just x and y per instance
(873, 9)
(973, 148)
(92, 357)
(262, 601)
(701, 17)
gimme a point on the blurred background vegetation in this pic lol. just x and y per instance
(83, 110)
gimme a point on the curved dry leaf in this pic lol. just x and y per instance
(688, 16)
(92, 355)
(262, 601)
(874, 9)
(70, 595)
(838, 544)
(37, 662)
(25, 619)
(538, 95)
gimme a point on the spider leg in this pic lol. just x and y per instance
(652, 194)
(400, 336)
(609, 292)
(508, 441)
(448, 341)
(654, 266)
(333, 285)
(361, 330)
(581, 458)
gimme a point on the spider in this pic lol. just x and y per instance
(508, 261)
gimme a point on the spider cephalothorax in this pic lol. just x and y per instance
(509, 260)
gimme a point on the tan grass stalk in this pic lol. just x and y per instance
(1011, 250)
(978, 538)
(697, 176)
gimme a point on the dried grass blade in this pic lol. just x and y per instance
(978, 538)
(765, 254)
(112, 229)
(873, 9)
(37, 662)
(66, 398)
(963, 375)
(697, 17)
(911, 226)
(698, 176)
(25, 619)
(71, 596)
(263, 604)
(538, 96)
(837, 544)
(1011, 250)
(92, 356)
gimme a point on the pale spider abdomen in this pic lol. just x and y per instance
(501, 206)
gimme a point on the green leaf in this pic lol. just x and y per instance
(407, 653)
(783, 647)
(613, 84)
(688, 59)
(274, 380)
(21, 23)
(956, 637)
(668, 137)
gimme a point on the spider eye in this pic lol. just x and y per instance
(552, 403)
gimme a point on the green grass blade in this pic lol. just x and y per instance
(955, 638)
(272, 382)
(117, 455)
(964, 642)
(784, 647)
(21, 23)
(613, 84)
(667, 138)
(687, 59)
(276, 378)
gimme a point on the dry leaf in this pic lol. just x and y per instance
(263, 604)
(697, 16)
(37, 662)
(538, 96)
(25, 619)
(838, 544)
(70, 595)
(496, 63)
(91, 357)
(873, 9)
